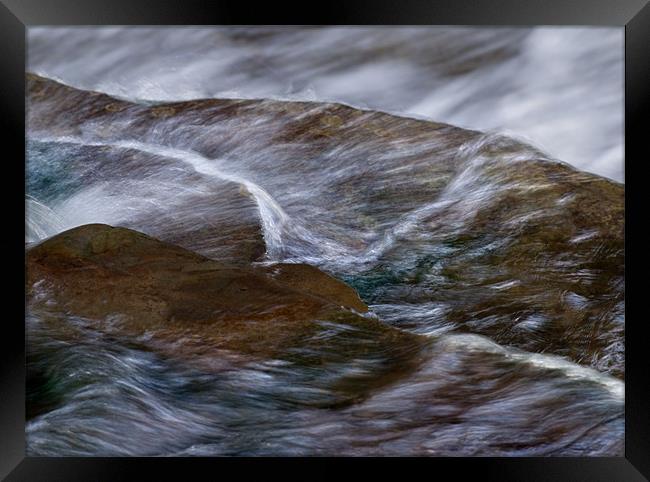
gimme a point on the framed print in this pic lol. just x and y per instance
(380, 235)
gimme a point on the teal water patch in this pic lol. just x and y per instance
(418, 269)
(50, 171)
(371, 285)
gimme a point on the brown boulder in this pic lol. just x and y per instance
(313, 281)
(142, 285)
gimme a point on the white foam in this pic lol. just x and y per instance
(572, 370)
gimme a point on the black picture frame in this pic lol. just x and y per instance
(17, 15)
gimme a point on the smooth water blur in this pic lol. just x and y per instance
(469, 397)
(561, 88)
(41, 221)
(485, 253)
(466, 395)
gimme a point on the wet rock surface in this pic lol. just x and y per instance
(124, 283)
(484, 229)
(415, 278)
(98, 271)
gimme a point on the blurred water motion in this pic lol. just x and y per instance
(560, 88)
(502, 265)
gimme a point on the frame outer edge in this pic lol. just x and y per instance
(637, 105)
(12, 354)
(12, 33)
(407, 12)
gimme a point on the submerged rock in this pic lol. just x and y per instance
(97, 270)
(124, 283)
(438, 228)
(313, 281)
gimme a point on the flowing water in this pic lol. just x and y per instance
(561, 87)
(492, 253)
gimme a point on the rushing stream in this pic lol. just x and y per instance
(501, 266)
(561, 88)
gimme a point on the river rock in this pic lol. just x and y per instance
(127, 282)
(438, 228)
(98, 270)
